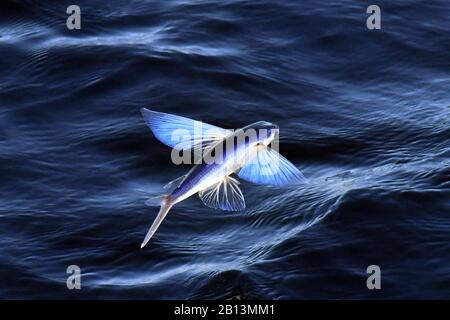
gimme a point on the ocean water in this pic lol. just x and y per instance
(363, 113)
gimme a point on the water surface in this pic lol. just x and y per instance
(364, 114)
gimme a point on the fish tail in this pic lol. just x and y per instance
(166, 204)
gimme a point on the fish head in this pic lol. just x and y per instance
(261, 132)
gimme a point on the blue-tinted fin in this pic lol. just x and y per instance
(183, 133)
(165, 207)
(270, 168)
(175, 183)
(225, 195)
(156, 201)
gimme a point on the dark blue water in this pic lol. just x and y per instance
(364, 114)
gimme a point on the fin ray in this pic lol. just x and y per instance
(183, 133)
(225, 195)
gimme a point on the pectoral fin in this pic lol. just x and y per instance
(183, 133)
(225, 195)
(269, 167)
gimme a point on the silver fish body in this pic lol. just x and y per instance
(231, 154)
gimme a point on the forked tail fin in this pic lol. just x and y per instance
(165, 207)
